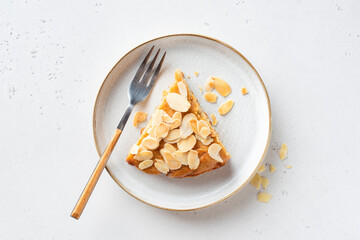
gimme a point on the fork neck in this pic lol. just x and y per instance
(125, 117)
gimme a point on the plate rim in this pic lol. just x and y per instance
(269, 130)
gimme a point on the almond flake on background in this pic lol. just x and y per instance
(256, 180)
(262, 168)
(264, 197)
(264, 182)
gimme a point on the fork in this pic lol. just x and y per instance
(139, 89)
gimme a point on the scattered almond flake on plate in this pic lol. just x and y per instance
(188, 77)
(221, 86)
(264, 197)
(262, 168)
(139, 117)
(213, 119)
(209, 85)
(210, 97)
(226, 107)
(244, 91)
(288, 166)
(256, 180)
(272, 168)
(283, 151)
(264, 182)
(196, 74)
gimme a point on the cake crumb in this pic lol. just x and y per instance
(196, 74)
(264, 197)
(201, 89)
(262, 168)
(256, 180)
(188, 77)
(244, 91)
(213, 119)
(272, 168)
(288, 166)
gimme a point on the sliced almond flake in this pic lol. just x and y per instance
(226, 107)
(188, 77)
(244, 91)
(170, 159)
(261, 169)
(204, 132)
(205, 141)
(213, 119)
(177, 102)
(134, 149)
(196, 74)
(201, 124)
(143, 155)
(173, 135)
(182, 89)
(256, 180)
(288, 166)
(282, 154)
(161, 166)
(182, 157)
(151, 131)
(161, 131)
(194, 125)
(187, 144)
(209, 85)
(150, 143)
(201, 89)
(156, 119)
(210, 97)
(145, 164)
(193, 159)
(264, 182)
(264, 197)
(167, 119)
(177, 116)
(139, 117)
(221, 86)
(185, 128)
(272, 168)
(176, 123)
(169, 147)
(214, 152)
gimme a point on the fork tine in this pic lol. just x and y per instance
(141, 69)
(148, 71)
(156, 73)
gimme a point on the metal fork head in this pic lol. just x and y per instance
(142, 84)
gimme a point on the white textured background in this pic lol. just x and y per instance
(55, 54)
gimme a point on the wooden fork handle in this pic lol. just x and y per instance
(85, 195)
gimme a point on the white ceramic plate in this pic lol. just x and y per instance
(245, 130)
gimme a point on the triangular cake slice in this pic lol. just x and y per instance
(179, 139)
